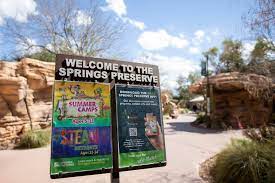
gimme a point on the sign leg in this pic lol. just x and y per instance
(115, 170)
(115, 177)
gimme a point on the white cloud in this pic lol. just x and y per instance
(199, 34)
(170, 67)
(216, 32)
(135, 23)
(160, 39)
(83, 18)
(194, 50)
(119, 7)
(208, 38)
(247, 48)
(16, 9)
(198, 37)
(1, 20)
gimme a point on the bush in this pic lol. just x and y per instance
(264, 134)
(167, 109)
(202, 118)
(43, 56)
(184, 110)
(34, 139)
(245, 161)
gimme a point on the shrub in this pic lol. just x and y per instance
(262, 135)
(202, 118)
(34, 139)
(167, 109)
(184, 110)
(43, 56)
(245, 161)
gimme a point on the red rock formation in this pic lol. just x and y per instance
(25, 98)
(239, 100)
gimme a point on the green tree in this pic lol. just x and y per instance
(212, 55)
(193, 77)
(184, 83)
(259, 61)
(60, 26)
(231, 56)
(261, 50)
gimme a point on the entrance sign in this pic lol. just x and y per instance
(81, 134)
(140, 127)
(106, 117)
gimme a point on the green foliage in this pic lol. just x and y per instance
(184, 82)
(260, 50)
(231, 56)
(260, 57)
(34, 139)
(262, 135)
(183, 110)
(202, 118)
(167, 109)
(193, 77)
(43, 56)
(244, 161)
(212, 54)
(231, 59)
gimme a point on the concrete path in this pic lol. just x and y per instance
(186, 147)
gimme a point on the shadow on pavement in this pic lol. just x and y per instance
(187, 127)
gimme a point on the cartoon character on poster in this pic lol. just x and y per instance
(83, 101)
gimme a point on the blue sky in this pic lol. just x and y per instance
(171, 34)
(176, 32)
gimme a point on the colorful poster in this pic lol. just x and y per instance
(81, 132)
(140, 128)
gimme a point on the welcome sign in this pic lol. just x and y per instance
(106, 117)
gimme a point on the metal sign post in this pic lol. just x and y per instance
(115, 170)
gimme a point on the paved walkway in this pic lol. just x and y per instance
(186, 147)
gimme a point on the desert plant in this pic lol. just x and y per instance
(34, 139)
(168, 109)
(244, 161)
(262, 135)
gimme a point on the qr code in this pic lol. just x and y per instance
(133, 132)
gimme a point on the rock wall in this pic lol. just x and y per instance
(238, 100)
(25, 98)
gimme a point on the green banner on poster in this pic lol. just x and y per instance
(81, 132)
(140, 128)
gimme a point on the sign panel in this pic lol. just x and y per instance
(77, 68)
(203, 68)
(81, 132)
(140, 128)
